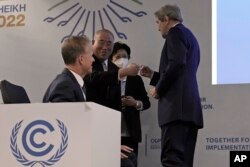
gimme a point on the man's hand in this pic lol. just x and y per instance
(125, 149)
(128, 101)
(131, 70)
(153, 93)
(146, 72)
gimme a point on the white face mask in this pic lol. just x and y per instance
(121, 63)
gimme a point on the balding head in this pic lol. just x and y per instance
(103, 44)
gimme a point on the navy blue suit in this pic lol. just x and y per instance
(179, 105)
(64, 88)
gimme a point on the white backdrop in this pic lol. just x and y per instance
(30, 56)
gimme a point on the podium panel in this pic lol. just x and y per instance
(60, 135)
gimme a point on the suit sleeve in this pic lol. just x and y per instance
(102, 78)
(176, 52)
(142, 94)
(62, 92)
(155, 78)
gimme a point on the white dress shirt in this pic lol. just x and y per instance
(80, 82)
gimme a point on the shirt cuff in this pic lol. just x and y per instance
(139, 105)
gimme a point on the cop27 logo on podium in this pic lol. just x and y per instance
(32, 147)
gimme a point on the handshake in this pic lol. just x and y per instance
(133, 69)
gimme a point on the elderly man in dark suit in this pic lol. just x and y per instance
(68, 86)
(175, 85)
(103, 84)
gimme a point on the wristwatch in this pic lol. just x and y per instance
(137, 104)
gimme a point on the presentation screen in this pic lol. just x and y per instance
(230, 41)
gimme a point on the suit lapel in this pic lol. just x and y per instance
(97, 65)
(76, 84)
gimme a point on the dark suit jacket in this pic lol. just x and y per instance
(176, 82)
(104, 87)
(64, 88)
(135, 88)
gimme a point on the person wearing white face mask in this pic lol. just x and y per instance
(134, 98)
(121, 59)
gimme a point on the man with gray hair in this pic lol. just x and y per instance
(103, 84)
(175, 85)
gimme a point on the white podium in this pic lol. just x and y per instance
(60, 135)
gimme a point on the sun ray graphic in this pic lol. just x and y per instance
(58, 4)
(80, 17)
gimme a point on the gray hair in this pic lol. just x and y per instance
(104, 31)
(173, 12)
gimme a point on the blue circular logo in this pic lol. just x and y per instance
(32, 135)
(28, 141)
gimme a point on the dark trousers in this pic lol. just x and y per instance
(178, 141)
(128, 141)
(131, 161)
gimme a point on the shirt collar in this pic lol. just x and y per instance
(175, 24)
(78, 78)
(106, 62)
(124, 79)
(165, 35)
